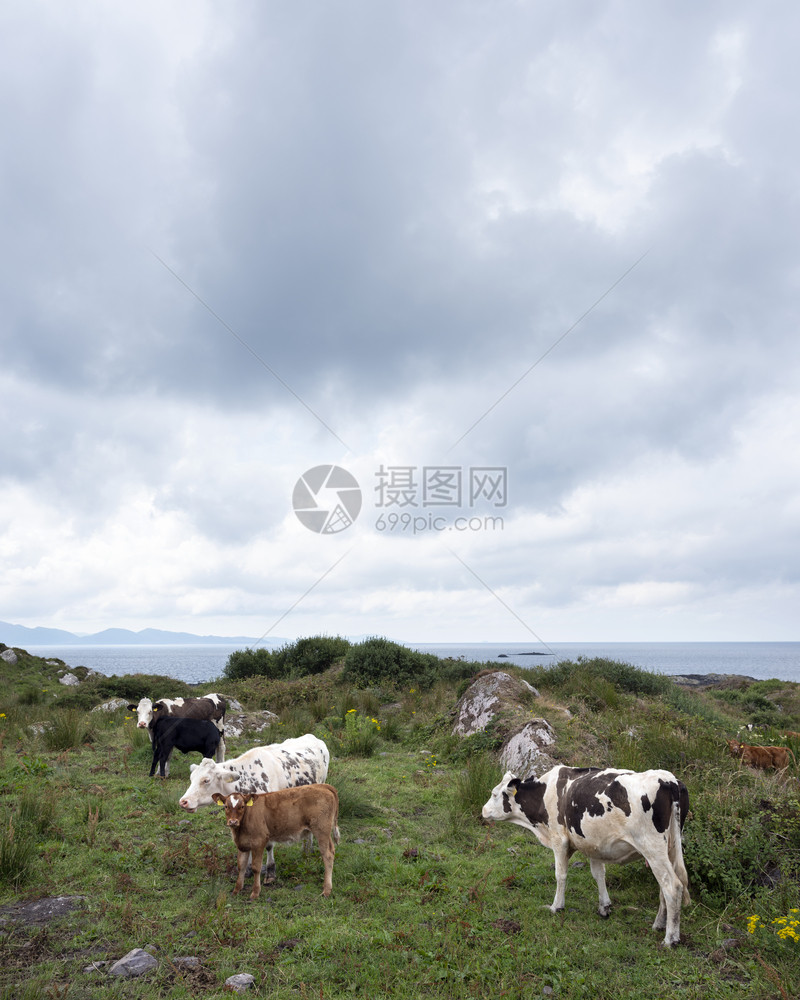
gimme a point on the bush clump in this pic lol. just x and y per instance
(250, 663)
(599, 682)
(303, 658)
(377, 661)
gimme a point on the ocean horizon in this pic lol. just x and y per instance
(198, 664)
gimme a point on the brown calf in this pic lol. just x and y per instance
(777, 757)
(282, 817)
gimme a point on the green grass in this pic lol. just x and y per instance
(427, 901)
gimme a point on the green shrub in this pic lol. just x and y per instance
(760, 709)
(250, 663)
(377, 661)
(303, 658)
(568, 676)
(311, 655)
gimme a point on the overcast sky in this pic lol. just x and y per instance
(415, 241)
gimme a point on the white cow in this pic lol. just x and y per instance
(609, 815)
(300, 761)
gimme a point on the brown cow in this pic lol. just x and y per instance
(259, 821)
(777, 757)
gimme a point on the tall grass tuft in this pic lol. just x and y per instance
(36, 809)
(295, 721)
(470, 792)
(68, 730)
(17, 855)
(474, 783)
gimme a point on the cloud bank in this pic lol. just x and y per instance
(243, 243)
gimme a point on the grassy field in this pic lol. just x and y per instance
(427, 901)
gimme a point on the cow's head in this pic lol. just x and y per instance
(144, 712)
(203, 782)
(234, 806)
(500, 801)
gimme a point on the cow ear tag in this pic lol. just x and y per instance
(250, 802)
(512, 791)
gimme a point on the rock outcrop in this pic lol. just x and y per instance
(523, 752)
(498, 699)
(493, 696)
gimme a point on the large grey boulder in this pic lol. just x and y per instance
(492, 694)
(9, 656)
(69, 679)
(523, 752)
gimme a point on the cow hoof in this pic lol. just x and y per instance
(605, 912)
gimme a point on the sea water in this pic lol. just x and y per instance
(197, 664)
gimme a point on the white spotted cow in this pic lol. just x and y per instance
(610, 815)
(300, 761)
(208, 706)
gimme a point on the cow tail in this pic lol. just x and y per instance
(678, 814)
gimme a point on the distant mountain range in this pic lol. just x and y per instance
(22, 636)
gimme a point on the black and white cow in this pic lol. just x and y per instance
(209, 706)
(187, 735)
(610, 815)
(300, 761)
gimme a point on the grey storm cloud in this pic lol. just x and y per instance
(558, 238)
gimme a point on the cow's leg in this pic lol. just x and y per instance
(242, 863)
(598, 870)
(271, 871)
(678, 866)
(258, 855)
(220, 754)
(327, 850)
(561, 854)
(670, 897)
